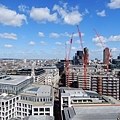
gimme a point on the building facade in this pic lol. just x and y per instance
(34, 100)
(14, 84)
(106, 84)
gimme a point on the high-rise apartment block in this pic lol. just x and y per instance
(106, 85)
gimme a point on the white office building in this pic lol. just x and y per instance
(36, 100)
(8, 107)
(14, 84)
(77, 104)
(19, 98)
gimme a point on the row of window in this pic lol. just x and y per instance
(79, 101)
(24, 105)
(36, 99)
(41, 109)
(6, 113)
(10, 102)
(42, 114)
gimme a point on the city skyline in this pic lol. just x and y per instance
(40, 29)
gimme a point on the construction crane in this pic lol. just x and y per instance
(67, 58)
(85, 55)
(108, 53)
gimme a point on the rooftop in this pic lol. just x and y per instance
(96, 113)
(39, 117)
(38, 90)
(13, 79)
(6, 96)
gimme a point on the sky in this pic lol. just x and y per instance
(42, 29)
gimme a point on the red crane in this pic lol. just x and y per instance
(67, 61)
(84, 55)
(108, 53)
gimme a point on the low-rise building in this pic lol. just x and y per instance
(8, 107)
(14, 84)
(35, 100)
(80, 99)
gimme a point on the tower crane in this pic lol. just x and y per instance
(67, 61)
(108, 53)
(85, 55)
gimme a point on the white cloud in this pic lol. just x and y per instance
(67, 42)
(8, 46)
(97, 50)
(9, 36)
(43, 43)
(102, 13)
(58, 43)
(115, 49)
(114, 38)
(71, 18)
(76, 34)
(114, 4)
(41, 34)
(21, 52)
(32, 43)
(23, 8)
(100, 45)
(54, 35)
(77, 41)
(42, 15)
(10, 17)
(31, 52)
(73, 48)
(70, 35)
(85, 12)
(101, 39)
(66, 34)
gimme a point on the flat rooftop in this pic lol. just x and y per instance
(38, 90)
(39, 117)
(6, 96)
(99, 116)
(13, 79)
(96, 113)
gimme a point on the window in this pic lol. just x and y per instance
(37, 99)
(14, 100)
(41, 109)
(2, 103)
(10, 101)
(74, 100)
(47, 113)
(35, 113)
(25, 105)
(17, 98)
(41, 114)
(47, 109)
(84, 100)
(29, 106)
(35, 109)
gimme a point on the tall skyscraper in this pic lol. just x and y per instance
(78, 59)
(105, 55)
